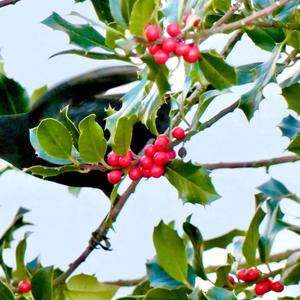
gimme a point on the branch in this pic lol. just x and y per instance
(288, 26)
(129, 282)
(99, 234)
(247, 20)
(231, 43)
(252, 164)
(8, 2)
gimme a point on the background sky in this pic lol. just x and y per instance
(63, 223)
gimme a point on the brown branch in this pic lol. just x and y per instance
(8, 2)
(252, 164)
(99, 235)
(288, 26)
(129, 282)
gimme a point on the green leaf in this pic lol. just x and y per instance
(42, 284)
(13, 97)
(21, 271)
(222, 276)
(83, 287)
(289, 126)
(221, 5)
(142, 288)
(103, 10)
(220, 74)
(291, 271)
(224, 240)
(116, 11)
(192, 182)
(171, 252)
(5, 292)
(294, 146)
(159, 294)
(250, 101)
(251, 241)
(291, 95)
(45, 172)
(83, 36)
(114, 32)
(143, 12)
(55, 138)
(220, 294)
(39, 92)
(92, 143)
(274, 189)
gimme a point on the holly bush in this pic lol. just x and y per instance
(82, 135)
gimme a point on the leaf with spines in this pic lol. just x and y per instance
(103, 10)
(217, 293)
(289, 126)
(92, 143)
(291, 95)
(42, 284)
(46, 172)
(84, 36)
(192, 182)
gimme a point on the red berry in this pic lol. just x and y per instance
(252, 275)
(161, 144)
(125, 161)
(173, 29)
(135, 173)
(113, 159)
(192, 55)
(164, 136)
(161, 56)
(178, 133)
(146, 162)
(277, 286)
(152, 33)
(181, 49)
(231, 279)
(24, 286)
(160, 158)
(157, 171)
(150, 150)
(169, 44)
(263, 287)
(152, 49)
(146, 173)
(114, 176)
(242, 274)
(186, 17)
(171, 154)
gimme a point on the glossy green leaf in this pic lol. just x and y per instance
(220, 74)
(224, 240)
(5, 292)
(274, 189)
(142, 288)
(291, 95)
(250, 101)
(251, 241)
(13, 97)
(171, 252)
(222, 276)
(143, 12)
(220, 294)
(42, 282)
(92, 143)
(21, 271)
(83, 287)
(291, 271)
(45, 172)
(221, 5)
(55, 138)
(289, 126)
(159, 294)
(294, 146)
(114, 32)
(39, 92)
(103, 10)
(192, 182)
(84, 36)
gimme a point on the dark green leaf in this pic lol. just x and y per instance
(224, 240)
(42, 284)
(291, 271)
(5, 292)
(220, 74)
(171, 252)
(103, 10)
(83, 287)
(222, 276)
(142, 288)
(291, 95)
(92, 143)
(83, 36)
(143, 12)
(55, 139)
(289, 126)
(45, 172)
(192, 182)
(294, 146)
(159, 294)
(13, 97)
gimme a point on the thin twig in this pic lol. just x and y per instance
(8, 2)
(231, 43)
(252, 164)
(129, 282)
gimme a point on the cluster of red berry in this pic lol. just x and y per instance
(151, 164)
(261, 287)
(163, 47)
(24, 287)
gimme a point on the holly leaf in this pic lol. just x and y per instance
(84, 36)
(291, 272)
(159, 294)
(291, 95)
(220, 294)
(103, 10)
(42, 284)
(171, 252)
(192, 182)
(289, 127)
(45, 172)
(5, 292)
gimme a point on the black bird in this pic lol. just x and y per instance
(84, 95)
